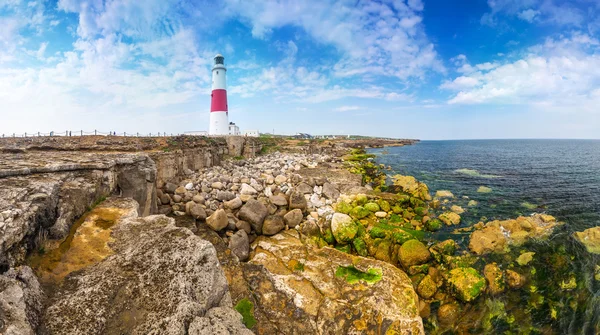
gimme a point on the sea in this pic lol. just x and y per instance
(509, 178)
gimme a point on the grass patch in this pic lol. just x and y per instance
(353, 275)
(245, 308)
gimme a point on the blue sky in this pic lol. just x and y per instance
(413, 68)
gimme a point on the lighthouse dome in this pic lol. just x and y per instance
(219, 59)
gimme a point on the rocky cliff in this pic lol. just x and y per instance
(48, 182)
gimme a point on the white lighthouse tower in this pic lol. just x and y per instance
(219, 120)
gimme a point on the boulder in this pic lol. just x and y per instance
(197, 211)
(304, 188)
(495, 278)
(248, 190)
(427, 287)
(240, 245)
(297, 201)
(328, 291)
(234, 203)
(343, 228)
(225, 195)
(444, 194)
(488, 240)
(280, 179)
(410, 185)
(254, 212)
(278, 200)
(449, 218)
(514, 279)
(330, 191)
(466, 283)
(413, 252)
(160, 284)
(457, 209)
(243, 225)
(170, 188)
(293, 218)
(218, 220)
(272, 225)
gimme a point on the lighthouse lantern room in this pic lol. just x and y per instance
(219, 118)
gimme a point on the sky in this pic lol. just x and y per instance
(406, 69)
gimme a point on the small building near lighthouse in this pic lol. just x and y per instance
(219, 114)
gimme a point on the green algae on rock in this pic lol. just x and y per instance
(353, 275)
(449, 218)
(413, 252)
(372, 207)
(484, 189)
(343, 228)
(246, 308)
(411, 186)
(525, 258)
(466, 283)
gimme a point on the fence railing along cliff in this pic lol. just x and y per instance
(87, 133)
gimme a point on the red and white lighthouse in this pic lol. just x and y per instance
(219, 120)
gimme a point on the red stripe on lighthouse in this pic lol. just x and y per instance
(218, 102)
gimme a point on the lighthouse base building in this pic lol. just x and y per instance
(219, 115)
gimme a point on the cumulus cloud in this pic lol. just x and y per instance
(559, 72)
(373, 38)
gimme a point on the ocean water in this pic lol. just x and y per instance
(558, 177)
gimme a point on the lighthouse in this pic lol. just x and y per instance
(219, 121)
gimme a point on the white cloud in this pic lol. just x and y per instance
(346, 108)
(560, 72)
(373, 39)
(528, 15)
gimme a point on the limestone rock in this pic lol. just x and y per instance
(254, 212)
(330, 191)
(590, 238)
(297, 201)
(525, 258)
(219, 321)
(444, 194)
(239, 245)
(427, 287)
(293, 218)
(217, 185)
(278, 200)
(457, 209)
(497, 235)
(495, 278)
(514, 279)
(243, 225)
(303, 188)
(167, 279)
(411, 186)
(234, 203)
(248, 190)
(288, 277)
(21, 302)
(343, 228)
(272, 225)
(197, 211)
(218, 220)
(280, 179)
(225, 195)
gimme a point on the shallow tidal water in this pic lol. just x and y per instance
(508, 178)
